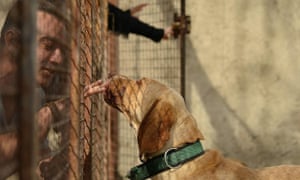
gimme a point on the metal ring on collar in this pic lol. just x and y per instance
(166, 159)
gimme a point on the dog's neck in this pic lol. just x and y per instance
(176, 129)
(161, 121)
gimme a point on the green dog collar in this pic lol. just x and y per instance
(173, 158)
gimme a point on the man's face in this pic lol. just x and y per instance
(50, 47)
(50, 53)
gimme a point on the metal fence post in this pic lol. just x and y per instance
(27, 126)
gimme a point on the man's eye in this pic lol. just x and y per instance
(48, 45)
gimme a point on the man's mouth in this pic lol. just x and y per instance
(47, 71)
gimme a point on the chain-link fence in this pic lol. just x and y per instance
(91, 138)
(139, 57)
(50, 50)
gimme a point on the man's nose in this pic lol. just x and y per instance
(56, 56)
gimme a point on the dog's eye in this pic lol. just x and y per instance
(139, 82)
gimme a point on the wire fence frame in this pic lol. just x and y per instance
(139, 57)
(27, 134)
(91, 149)
(93, 128)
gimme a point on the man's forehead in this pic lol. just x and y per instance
(49, 24)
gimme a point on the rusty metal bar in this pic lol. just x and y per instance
(73, 152)
(27, 125)
(85, 78)
(182, 51)
(112, 114)
(97, 43)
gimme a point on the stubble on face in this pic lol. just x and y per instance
(50, 47)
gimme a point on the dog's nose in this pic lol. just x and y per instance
(110, 75)
(108, 97)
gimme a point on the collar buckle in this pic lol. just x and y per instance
(167, 162)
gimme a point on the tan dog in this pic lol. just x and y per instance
(162, 122)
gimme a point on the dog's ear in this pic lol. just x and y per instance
(155, 128)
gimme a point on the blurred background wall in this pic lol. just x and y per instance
(243, 74)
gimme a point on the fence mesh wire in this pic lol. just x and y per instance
(76, 130)
(93, 132)
(141, 57)
(72, 137)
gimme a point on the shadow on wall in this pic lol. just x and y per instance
(217, 109)
(247, 145)
(224, 120)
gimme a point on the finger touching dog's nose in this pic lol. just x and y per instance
(96, 87)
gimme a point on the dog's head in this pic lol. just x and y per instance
(125, 95)
(156, 112)
(115, 92)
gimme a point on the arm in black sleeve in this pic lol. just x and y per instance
(138, 27)
(122, 22)
(118, 20)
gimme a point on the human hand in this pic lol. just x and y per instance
(59, 113)
(94, 88)
(168, 32)
(136, 9)
(44, 118)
